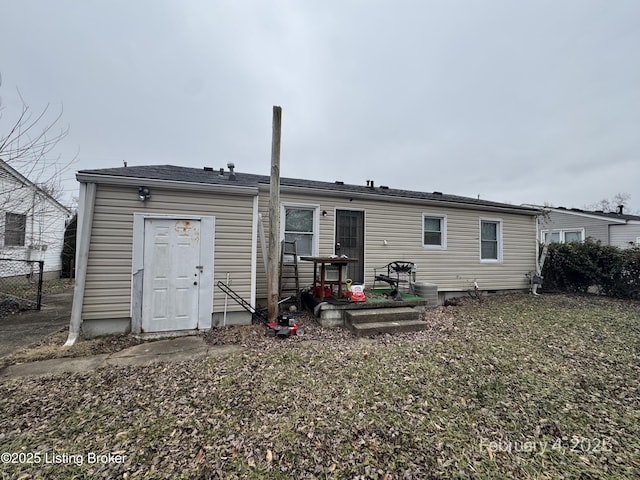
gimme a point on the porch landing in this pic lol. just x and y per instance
(369, 318)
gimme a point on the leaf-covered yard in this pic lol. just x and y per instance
(513, 387)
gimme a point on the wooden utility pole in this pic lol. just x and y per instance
(274, 219)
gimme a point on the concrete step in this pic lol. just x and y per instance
(381, 315)
(374, 328)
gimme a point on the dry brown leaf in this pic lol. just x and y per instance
(199, 456)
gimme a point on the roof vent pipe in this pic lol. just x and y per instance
(221, 173)
(232, 174)
(620, 209)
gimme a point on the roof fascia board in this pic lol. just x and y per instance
(28, 183)
(170, 184)
(588, 215)
(418, 201)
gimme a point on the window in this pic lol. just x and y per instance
(14, 229)
(572, 237)
(554, 237)
(299, 226)
(490, 240)
(562, 236)
(434, 233)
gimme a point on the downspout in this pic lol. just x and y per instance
(33, 220)
(539, 260)
(85, 222)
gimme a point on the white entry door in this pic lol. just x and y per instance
(172, 269)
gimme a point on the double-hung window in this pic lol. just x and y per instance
(434, 231)
(14, 229)
(490, 240)
(300, 225)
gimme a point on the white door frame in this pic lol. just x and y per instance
(205, 287)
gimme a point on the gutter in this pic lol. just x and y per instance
(170, 184)
(401, 199)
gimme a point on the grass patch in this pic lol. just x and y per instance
(512, 387)
(384, 295)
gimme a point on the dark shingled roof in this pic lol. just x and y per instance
(201, 176)
(598, 213)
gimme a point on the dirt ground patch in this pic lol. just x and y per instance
(51, 347)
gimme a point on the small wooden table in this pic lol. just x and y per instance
(323, 262)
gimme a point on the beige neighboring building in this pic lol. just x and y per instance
(153, 241)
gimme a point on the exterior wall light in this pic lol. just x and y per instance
(144, 194)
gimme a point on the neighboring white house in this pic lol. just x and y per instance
(565, 225)
(32, 224)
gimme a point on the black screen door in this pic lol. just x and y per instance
(350, 241)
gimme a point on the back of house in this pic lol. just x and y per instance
(155, 240)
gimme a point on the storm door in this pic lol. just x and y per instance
(350, 241)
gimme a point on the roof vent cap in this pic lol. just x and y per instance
(232, 174)
(208, 169)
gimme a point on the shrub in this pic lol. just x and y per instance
(575, 267)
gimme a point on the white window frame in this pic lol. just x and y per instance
(498, 221)
(316, 223)
(561, 232)
(443, 231)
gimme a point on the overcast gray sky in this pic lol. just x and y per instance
(515, 101)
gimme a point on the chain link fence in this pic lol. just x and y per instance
(20, 285)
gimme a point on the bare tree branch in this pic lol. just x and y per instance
(29, 143)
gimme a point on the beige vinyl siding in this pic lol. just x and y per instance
(108, 288)
(454, 269)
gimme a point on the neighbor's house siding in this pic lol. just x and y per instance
(45, 222)
(625, 236)
(108, 286)
(597, 229)
(400, 224)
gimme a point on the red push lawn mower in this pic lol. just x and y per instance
(285, 326)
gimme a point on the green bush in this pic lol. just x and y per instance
(69, 248)
(575, 267)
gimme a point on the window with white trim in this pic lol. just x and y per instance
(300, 226)
(434, 231)
(490, 240)
(563, 236)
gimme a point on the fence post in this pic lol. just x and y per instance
(39, 295)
